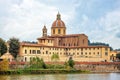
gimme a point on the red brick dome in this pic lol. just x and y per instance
(58, 22)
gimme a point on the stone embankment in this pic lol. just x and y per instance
(98, 66)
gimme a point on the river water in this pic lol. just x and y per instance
(95, 76)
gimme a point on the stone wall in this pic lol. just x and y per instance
(99, 67)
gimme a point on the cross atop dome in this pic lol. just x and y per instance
(58, 16)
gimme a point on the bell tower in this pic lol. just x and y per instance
(44, 30)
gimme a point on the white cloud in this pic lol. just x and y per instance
(111, 21)
(25, 19)
(111, 25)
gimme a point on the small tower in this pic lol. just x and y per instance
(44, 31)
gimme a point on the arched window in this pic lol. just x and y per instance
(25, 51)
(53, 31)
(59, 31)
(25, 59)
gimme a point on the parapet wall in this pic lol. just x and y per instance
(98, 66)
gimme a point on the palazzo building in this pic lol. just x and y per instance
(65, 45)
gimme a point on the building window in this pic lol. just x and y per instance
(25, 59)
(46, 52)
(106, 49)
(38, 51)
(98, 53)
(77, 53)
(59, 31)
(53, 31)
(86, 53)
(34, 52)
(60, 53)
(89, 53)
(30, 51)
(25, 51)
(81, 53)
(106, 53)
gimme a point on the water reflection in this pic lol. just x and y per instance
(105, 76)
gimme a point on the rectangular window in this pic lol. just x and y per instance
(53, 31)
(30, 51)
(106, 53)
(59, 31)
(81, 53)
(46, 52)
(89, 53)
(33, 51)
(106, 49)
(38, 51)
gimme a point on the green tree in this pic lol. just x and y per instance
(55, 57)
(14, 46)
(71, 62)
(36, 62)
(3, 47)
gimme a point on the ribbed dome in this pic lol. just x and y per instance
(58, 22)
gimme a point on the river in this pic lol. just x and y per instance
(95, 76)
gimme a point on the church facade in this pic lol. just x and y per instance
(65, 45)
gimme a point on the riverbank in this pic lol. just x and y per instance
(43, 71)
(99, 67)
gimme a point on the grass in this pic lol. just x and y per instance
(41, 71)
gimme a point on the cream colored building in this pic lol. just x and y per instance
(65, 45)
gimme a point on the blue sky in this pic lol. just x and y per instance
(24, 19)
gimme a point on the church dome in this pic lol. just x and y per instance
(58, 22)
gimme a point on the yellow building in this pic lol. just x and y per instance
(65, 45)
